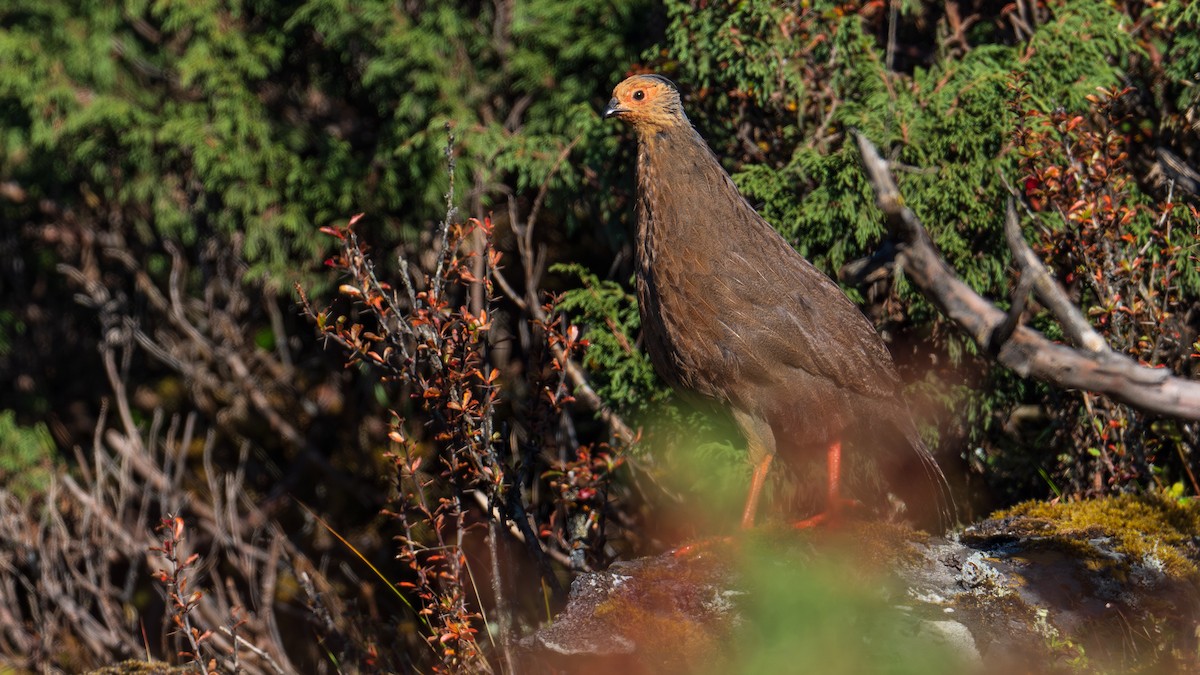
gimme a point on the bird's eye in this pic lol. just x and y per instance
(639, 95)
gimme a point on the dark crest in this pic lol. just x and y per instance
(660, 78)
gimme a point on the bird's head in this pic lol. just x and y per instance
(649, 102)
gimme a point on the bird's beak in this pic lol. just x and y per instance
(614, 108)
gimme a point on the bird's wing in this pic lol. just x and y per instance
(797, 317)
(756, 313)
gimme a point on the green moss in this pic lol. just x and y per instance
(1141, 527)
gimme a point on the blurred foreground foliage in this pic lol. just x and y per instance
(165, 166)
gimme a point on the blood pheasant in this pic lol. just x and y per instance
(730, 311)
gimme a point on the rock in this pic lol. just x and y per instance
(1046, 589)
(651, 615)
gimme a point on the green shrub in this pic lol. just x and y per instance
(26, 456)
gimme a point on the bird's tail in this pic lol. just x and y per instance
(943, 497)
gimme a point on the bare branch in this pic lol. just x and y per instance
(514, 529)
(585, 393)
(242, 642)
(583, 388)
(1013, 319)
(1027, 352)
(1048, 291)
(451, 212)
(533, 260)
(545, 188)
(1177, 170)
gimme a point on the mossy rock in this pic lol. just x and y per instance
(1111, 584)
(1148, 530)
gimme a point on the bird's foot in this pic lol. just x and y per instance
(831, 516)
(699, 546)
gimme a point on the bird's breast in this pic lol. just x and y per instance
(686, 331)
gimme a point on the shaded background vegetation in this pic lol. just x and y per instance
(165, 168)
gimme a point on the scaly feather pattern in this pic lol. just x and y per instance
(733, 313)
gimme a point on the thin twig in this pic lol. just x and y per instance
(439, 278)
(270, 661)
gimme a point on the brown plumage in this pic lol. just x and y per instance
(730, 311)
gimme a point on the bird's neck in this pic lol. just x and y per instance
(662, 146)
(682, 188)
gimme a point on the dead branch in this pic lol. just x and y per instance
(1175, 169)
(1027, 351)
(60, 595)
(203, 345)
(583, 388)
(533, 261)
(1051, 294)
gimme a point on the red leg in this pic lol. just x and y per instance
(756, 486)
(834, 501)
(835, 473)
